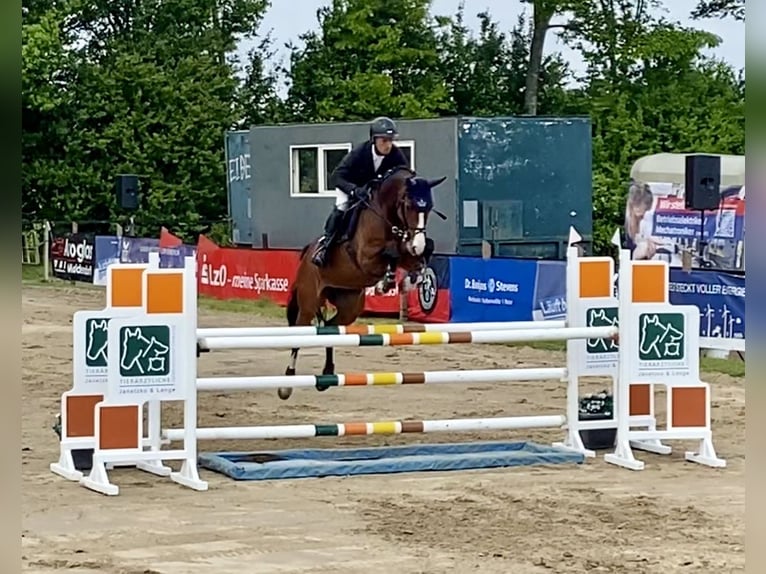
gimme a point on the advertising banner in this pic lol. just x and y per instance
(550, 295)
(429, 302)
(720, 297)
(658, 226)
(107, 252)
(492, 290)
(173, 257)
(245, 273)
(72, 257)
(137, 249)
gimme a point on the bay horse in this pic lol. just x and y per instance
(389, 228)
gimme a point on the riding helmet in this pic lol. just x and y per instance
(383, 127)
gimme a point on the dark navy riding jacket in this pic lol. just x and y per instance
(358, 167)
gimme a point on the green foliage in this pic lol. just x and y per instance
(720, 9)
(151, 87)
(150, 91)
(486, 74)
(354, 68)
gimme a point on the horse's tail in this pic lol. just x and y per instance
(292, 299)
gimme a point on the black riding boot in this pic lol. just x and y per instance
(325, 242)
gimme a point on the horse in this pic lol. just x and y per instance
(387, 229)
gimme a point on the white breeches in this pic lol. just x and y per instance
(341, 200)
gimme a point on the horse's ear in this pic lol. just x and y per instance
(434, 182)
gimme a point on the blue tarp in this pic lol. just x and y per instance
(315, 463)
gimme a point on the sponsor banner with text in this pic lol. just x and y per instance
(245, 273)
(492, 290)
(73, 256)
(550, 298)
(107, 252)
(720, 297)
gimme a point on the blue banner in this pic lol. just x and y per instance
(173, 257)
(492, 289)
(550, 301)
(137, 249)
(107, 252)
(720, 298)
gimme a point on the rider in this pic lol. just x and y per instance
(362, 164)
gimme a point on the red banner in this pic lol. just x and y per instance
(245, 273)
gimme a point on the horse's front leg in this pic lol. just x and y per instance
(415, 274)
(391, 257)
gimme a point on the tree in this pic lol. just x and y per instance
(486, 74)
(542, 12)
(369, 57)
(719, 9)
(47, 99)
(150, 90)
(257, 95)
(478, 72)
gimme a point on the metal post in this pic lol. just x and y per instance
(46, 250)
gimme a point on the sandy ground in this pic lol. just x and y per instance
(672, 517)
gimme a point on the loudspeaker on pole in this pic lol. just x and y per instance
(702, 182)
(126, 187)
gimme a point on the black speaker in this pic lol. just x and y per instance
(703, 182)
(126, 187)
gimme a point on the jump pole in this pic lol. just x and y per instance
(370, 428)
(391, 340)
(215, 332)
(221, 384)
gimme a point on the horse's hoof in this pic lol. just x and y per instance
(284, 392)
(290, 371)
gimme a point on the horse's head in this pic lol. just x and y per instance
(414, 203)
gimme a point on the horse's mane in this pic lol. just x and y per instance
(392, 177)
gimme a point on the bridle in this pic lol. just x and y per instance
(402, 231)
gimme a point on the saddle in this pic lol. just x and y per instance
(349, 221)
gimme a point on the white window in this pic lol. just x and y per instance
(408, 149)
(311, 167)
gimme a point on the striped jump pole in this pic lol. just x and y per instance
(391, 340)
(390, 329)
(383, 378)
(369, 428)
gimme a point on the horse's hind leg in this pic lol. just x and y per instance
(285, 392)
(297, 315)
(349, 305)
